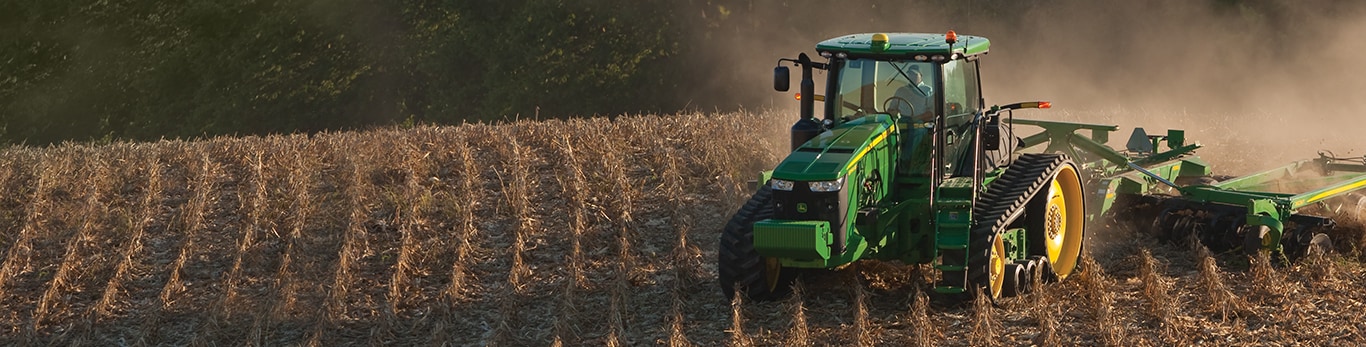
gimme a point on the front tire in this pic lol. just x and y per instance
(740, 267)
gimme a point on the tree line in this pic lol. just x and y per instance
(143, 70)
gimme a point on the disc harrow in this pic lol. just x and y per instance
(1172, 195)
(1224, 228)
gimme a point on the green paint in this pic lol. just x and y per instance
(906, 45)
(808, 240)
(1016, 246)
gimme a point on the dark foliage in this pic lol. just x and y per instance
(142, 70)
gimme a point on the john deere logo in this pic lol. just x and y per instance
(801, 207)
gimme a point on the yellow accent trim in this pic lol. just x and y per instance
(997, 276)
(1339, 190)
(772, 269)
(876, 140)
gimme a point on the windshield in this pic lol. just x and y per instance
(899, 87)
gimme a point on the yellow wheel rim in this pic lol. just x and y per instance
(772, 269)
(1064, 221)
(998, 266)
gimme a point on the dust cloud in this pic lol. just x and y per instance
(1260, 83)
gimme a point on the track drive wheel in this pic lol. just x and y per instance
(1057, 221)
(987, 270)
(1000, 272)
(740, 267)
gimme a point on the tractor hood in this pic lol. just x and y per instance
(831, 154)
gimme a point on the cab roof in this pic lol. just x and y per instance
(905, 45)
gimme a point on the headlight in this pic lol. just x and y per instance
(778, 184)
(827, 186)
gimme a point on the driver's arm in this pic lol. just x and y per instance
(928, 94)
(925, 116)
(925, 113)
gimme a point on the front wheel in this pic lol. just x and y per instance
(740, 267)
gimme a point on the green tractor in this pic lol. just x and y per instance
(909, 163)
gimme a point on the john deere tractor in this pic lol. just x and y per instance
(908, 162)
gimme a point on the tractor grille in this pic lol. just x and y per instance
(824, 206)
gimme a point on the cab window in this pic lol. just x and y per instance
(874, 86)
(962, 100)
(961, 95)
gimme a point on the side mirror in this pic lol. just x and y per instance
(782, 78)
(991, 133)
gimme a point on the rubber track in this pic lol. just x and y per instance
(738, 265)
(1001, 204)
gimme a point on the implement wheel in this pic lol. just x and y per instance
(740, 267)
(1057, 221)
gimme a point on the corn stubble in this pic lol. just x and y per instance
(924, 331)
(1096, 294)
(1161, 304)
(1218, 298)
(986, 329)
(1044, 310)
(800, 333)
(137, 221)
(574, 182)
(737, 334)
(863, 330)
(87, 220)
(576, 232)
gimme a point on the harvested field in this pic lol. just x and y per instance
(581, 232)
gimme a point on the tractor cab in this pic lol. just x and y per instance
(922, 81)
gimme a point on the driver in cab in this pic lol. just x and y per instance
(915, 103)
(915, 99)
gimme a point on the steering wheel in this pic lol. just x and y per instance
(886, 105)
